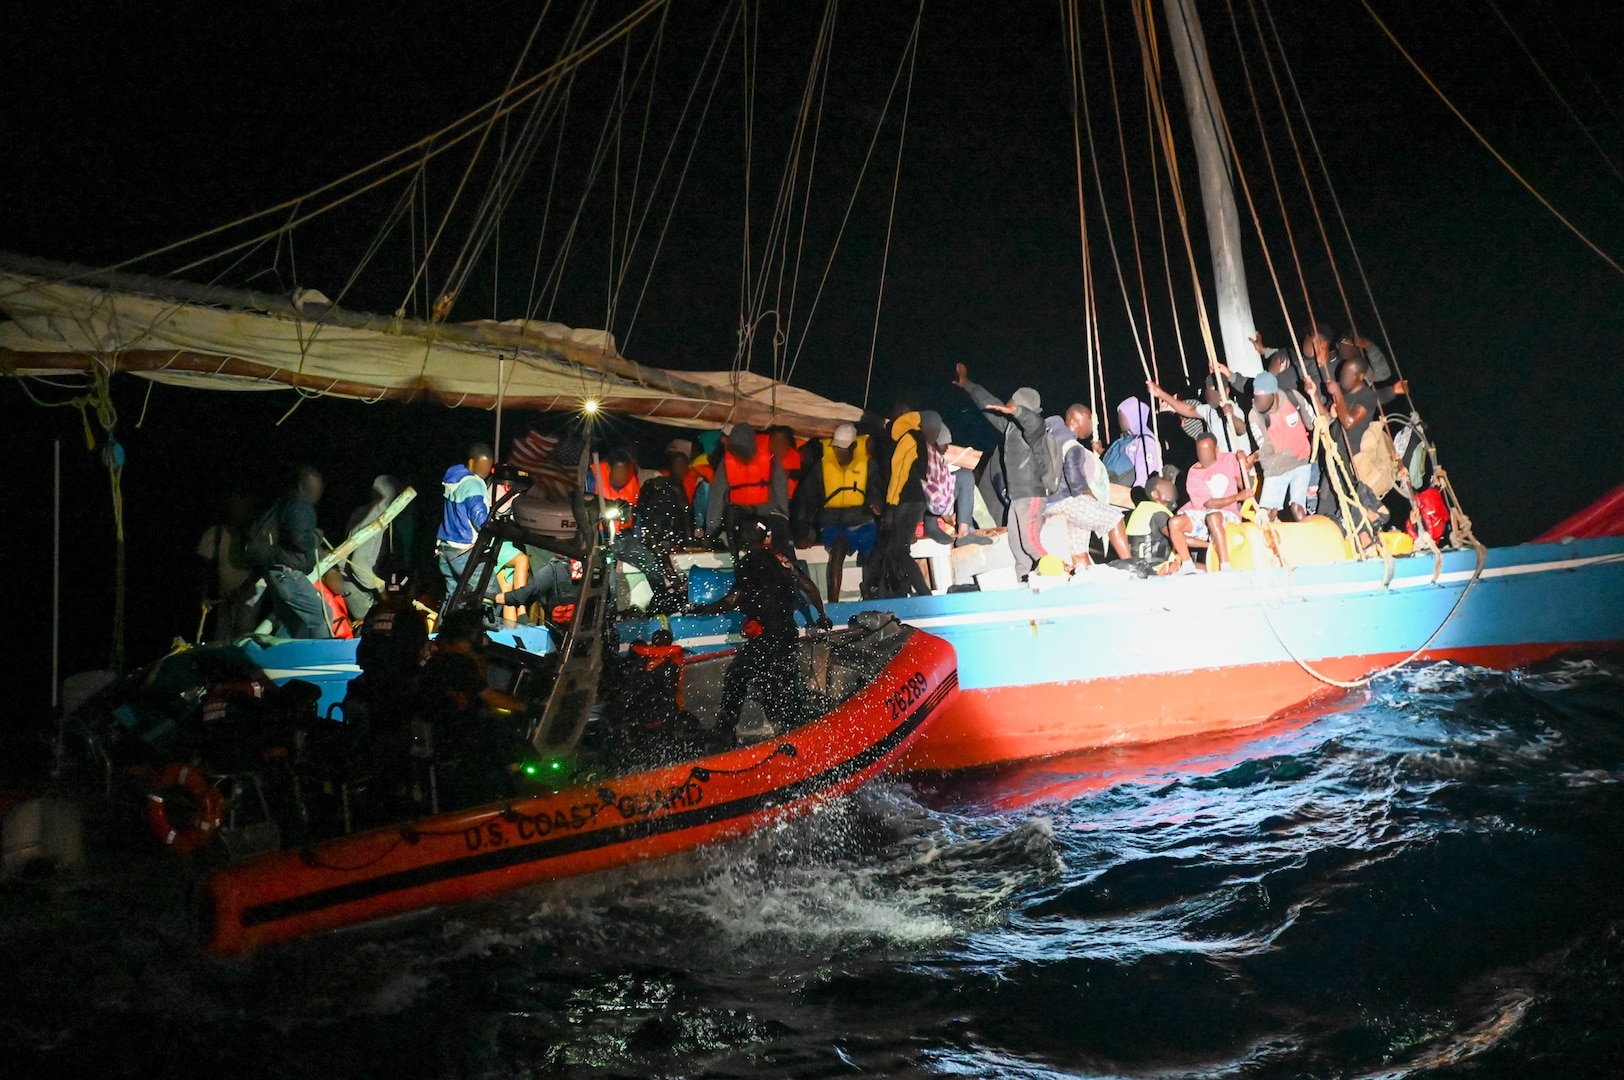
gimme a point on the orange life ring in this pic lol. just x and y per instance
(185, 837)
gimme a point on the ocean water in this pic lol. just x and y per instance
(1423, 881)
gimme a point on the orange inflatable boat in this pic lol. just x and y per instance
(877, 688)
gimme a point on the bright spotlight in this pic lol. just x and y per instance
(590, 406)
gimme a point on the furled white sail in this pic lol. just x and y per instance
(62, 318)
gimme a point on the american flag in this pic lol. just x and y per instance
(550, 460)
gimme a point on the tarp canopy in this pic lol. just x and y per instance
(65, 318)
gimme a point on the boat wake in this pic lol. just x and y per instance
(1415, 883)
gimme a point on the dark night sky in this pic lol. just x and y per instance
(127, 125)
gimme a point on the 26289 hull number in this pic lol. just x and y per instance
(903, 697)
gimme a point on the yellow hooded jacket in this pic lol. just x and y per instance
(903, 457)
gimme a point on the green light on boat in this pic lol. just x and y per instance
(530, 770)
(555, 764)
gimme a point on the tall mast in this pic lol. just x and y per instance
(1212, 152)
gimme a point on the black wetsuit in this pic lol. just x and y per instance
(769, 592)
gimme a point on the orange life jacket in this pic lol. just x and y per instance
(791, 461)
(749, 483)
(607, 492)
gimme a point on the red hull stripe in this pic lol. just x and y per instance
(990, 725)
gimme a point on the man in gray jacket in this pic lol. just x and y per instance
(1025, 455)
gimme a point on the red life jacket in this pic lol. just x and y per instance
(749, 483)
(1288, 437)
(655, 655)
(1434, 513)
(338, 612)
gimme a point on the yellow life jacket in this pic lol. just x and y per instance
(1145, 536)
(845, 485)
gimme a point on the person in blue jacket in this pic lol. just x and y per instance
(467, 505)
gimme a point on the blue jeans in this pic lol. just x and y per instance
(452, 563)
(296, 604)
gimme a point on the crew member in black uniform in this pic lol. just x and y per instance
(392, 639)
(470, 729)
(768, 588)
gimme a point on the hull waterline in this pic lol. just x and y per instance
(1112, 661)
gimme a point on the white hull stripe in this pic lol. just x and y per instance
(1269, 591)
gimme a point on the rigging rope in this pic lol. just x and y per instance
(462, 265)
(774, 255)
(1127, 187)
(746, 316)
(1145, 28)
(1302, 166)
(1336, 203)
(637, 179)
(1105, 214)
(811, 168)
(1521, 44)
(524, 54)
(555, 276)
(1601, 95)
(862, 171)
(547, 203)
(896, 180)
(1161, 232)
(1274, 176)
(699, 126)
(428, 143)
(1336, 467)
(1543, 201)
(1066, 16)
(816, 74)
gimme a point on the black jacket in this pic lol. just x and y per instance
(1024, 439)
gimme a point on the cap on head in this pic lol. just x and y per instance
(1265, 383)
(845, 436)
(944, 437)
(742, 440)
(1026, 398)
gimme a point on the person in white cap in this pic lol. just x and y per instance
(848, 500)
